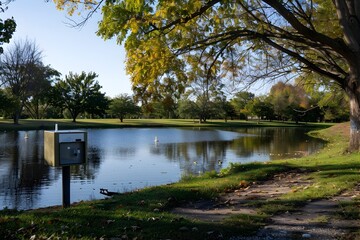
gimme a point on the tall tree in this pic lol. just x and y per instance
(76, 92)
(284, 37)
(165, 92)
(123, 105)
(24, 74)
(205, 85)
(37, 104)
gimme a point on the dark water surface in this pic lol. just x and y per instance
(127, 159)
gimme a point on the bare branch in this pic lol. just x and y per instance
(183, 20)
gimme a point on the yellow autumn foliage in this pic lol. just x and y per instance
(72, 6)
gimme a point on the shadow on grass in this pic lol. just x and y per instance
(89, 222)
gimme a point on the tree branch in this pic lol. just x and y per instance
(350, 22)
(303, 60)
(338, 45)
(182, 20)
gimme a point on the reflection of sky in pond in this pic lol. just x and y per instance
(127, 159)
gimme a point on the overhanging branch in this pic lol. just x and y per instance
(337, 45)
(182, 20)
(303, 60)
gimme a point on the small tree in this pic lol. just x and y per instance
(122, 106)
(23, 73)
(76, 93)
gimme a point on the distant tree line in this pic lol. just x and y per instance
(31, 89)
(284, 102)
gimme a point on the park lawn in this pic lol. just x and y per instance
(49, 124)
(144, 214)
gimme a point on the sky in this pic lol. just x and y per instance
(68, 49)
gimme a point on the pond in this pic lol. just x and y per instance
(126, 159)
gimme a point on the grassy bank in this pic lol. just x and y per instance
(144, 214)
(32, 124)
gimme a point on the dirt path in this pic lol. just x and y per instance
(315, 220)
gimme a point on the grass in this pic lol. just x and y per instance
(34, 124)
(144, 214)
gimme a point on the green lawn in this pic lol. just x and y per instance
(143, 214)
(32, 124)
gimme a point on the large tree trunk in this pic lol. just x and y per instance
(349, 14)
(354, 98)
(353, 91)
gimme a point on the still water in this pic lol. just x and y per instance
(126, 159)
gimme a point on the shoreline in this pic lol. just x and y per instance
(67, 124)
(146, 214)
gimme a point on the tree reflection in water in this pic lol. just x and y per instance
(24, 174)
(126, 159)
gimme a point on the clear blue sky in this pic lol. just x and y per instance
(69, 49)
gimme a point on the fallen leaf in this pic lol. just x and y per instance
(110, 221)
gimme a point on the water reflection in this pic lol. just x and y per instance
(22, 172)
(126, 159)
(277, 143)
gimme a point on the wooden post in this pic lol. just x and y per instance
(66, 186)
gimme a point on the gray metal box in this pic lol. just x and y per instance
(65, 148)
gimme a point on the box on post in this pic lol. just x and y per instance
(65, 148)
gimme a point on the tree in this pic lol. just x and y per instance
(23, 73)
(7, 103)
(260, 108)
(288, 100)
(97, 104)
(37, 104)
(224, 109)
(204, 83)
(275, 38)
(188, 109)
(240, 100)
(332, 102)
(7, 26)
(123, 105)
(163, 94)
(327, 102)
(77, 92)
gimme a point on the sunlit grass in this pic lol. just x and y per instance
(36, 124)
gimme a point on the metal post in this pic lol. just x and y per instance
(66, 186)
